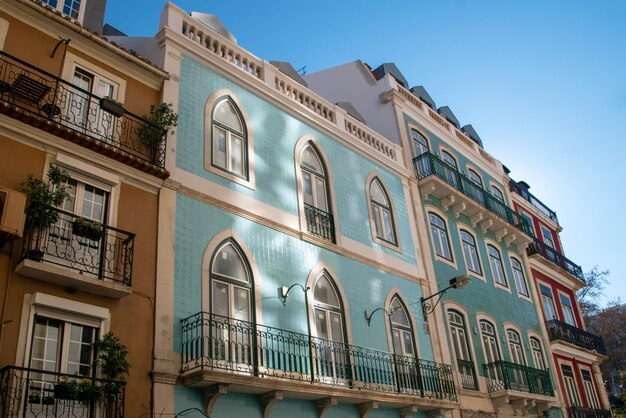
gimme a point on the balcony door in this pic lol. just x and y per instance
(518, 377)
(570, 385)
(491, 350)
(450, 169)
(459, 339)
(547, 302)
(65, 244)
(420, 146)
(407, 370)
(331, 351)
(231, 327)
(315, 194)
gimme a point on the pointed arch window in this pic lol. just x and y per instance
(231, 302)
(382, 213)
(319, 218)
(401, 330)
(329, 326)
(229, 144)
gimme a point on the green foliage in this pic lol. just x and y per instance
(83, 390)
(43, 195)
(112, 357)
(164, 118)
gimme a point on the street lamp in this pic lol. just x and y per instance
(455, 283)
(284, 292)
(368, 317)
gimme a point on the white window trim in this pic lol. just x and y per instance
(443, 216)
(368, 183)
(58, 308)
(510, 326)
(483, 316)
(73, 61)
(560, 364)
(448, 305)
(532, 334)
(525, 274)
(475, 169)
(459, 227)
(531, 217)
(545, 229)
(390, 295)
(493, 185)
(559, 293)
(582, 367)
(540, 295)
(421, 131)
(493, 278)
(453, 154)
(81, 10)
(250, 182)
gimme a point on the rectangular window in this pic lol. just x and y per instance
(518, 276)
(568, 311)
(547, 237)
(548, 302)
(470, 252)
(570, 385)
(590, 390)
(495, 262)
(440, 236)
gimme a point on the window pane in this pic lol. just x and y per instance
(236, 155)
(320, 324)
(320, 194)
(307, 187)
(225, 113)
(242, 305)
(408, 344)
(377, 221)
(336, 327)
(219, 147)
(399, 315)
(388, 226)
(220, 298)
(377, 195)
(311, 160)
(228, 263)
(325, 293)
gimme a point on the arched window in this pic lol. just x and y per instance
(229, 140)
(450, 169)
(474, 177)
(231, 305)
(515, 347)
(440, 236)
(401, 329)
(518, 276)
(315, 195)
(491, 351)
(497, 193)
(421, 161)
(420, 143)
(382, 213)
(495, 262)
(458, 335)
(470, 252)
(538, 359)
(330, 356)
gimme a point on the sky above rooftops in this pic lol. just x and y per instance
(543, 83)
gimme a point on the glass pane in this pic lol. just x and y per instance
(377, 195)
(219, 147)
(311, 160)
(320, 324)
(397, 342)
(236, 155)
(325, 292)
(307, 188)
(242, 305)
(93, 203)
(388, 226)
(225, 113)
(320, 194)
(449, 159)
(228, 263)
(377, 221)
(336, 327)
(104, 89)
(408, 344)
(399, 314)
(220, 298)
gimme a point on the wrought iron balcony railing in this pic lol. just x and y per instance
(49, 97)
(219, 343)
(513, 186)
(429, 164)
(504, 375)
(28, 393)
(319, 223)
(88, 247)
(468, 374)
(538, 247)
(558, 330)
(580, 412)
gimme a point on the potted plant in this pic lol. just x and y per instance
(160, 120)
(112, 106)
(43, 197)
(83, 390)
(87, 228)
(113, 363)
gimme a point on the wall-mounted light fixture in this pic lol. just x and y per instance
(284, 292)
(368, 316)
(455, 283)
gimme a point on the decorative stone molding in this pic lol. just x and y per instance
(427, 190)
(468, 413)
(405, 412)
(448, 201)
(323, 405)
(366, 408)
(484, 226)
(476, 218)
(501, 233)
(509, 239)
(521, 406)
(435, 413)
(212, 394)
(458, 209)
(500, 401)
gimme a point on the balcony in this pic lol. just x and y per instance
(458, 192)
(468, 374)
(504, 375)
(46, 101)
(319, 223)
(522, 191)
(552, 255)
(558, 330)
(96, 259)
(218, 349)
(38, 393)
(580, 412)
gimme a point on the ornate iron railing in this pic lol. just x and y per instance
(580, 412)
(468, 374)
(215, 342)
(429, 164)
(504, 375)
(513, 186)
(558, 330)
(538, 247)
(49, 97)
(88, 247)
(28, 392)
(319, 223)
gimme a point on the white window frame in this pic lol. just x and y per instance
(539, 359)
(512, 260)
(564, 308)
(480, 274)
(61, 3)
(438, 214)
(543, 301)
(497, 189)
(546, 234)
(490, 259)
(371, 204)
(571, 388)
(593, 400)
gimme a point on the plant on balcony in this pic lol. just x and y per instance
(113, 363)
(87, 228)
(162, 119)
(42, 198)
(112, 106)
(84, 390)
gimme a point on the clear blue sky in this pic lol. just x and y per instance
(543, 83)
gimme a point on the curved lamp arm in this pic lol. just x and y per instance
(284, 291)
(368, 317)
